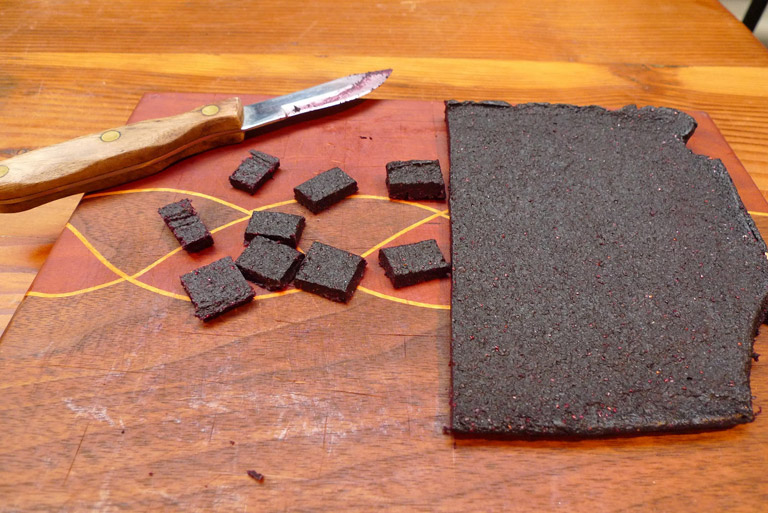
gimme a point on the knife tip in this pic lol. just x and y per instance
(384, 72)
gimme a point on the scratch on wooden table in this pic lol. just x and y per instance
(306, 31)
(99, 369)
(69, 470)
(324, 451)
(333, 390)
(325, 432)
(94, 412)
(213, 426)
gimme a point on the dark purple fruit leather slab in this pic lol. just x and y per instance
(606, 280)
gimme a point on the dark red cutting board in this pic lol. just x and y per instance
(114, 392)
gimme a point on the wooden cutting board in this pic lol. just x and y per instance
(116, 396)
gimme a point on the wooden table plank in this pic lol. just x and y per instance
(643, 32)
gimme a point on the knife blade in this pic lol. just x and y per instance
(130, 152)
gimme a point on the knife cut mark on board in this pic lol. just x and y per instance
(180, 191)
(69, 470)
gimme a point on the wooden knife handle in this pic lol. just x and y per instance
(115, 156)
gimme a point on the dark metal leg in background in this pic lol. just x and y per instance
(756, 8)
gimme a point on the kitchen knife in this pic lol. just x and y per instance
(134, 151)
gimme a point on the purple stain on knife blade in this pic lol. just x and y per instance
(367, 83)
(321, 96)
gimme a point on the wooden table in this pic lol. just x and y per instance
(71, 68)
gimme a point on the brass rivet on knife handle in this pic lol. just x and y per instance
(110, 135)
(131, 152)
(4, 171)
(210, 110)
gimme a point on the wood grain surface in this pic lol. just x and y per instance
(72, 68)
(108, 373)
